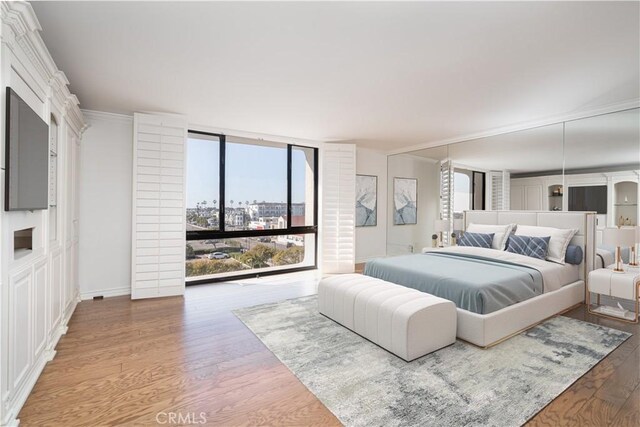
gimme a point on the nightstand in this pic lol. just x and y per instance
(625, 285)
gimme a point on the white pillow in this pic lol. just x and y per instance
(501, 233)
(558, 243)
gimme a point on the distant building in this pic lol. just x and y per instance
(296, 221)
(236, 217)
(274, 210)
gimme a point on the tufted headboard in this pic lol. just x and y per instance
(585, 222)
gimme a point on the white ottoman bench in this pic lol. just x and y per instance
(404, 321)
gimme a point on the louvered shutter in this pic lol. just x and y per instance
(338, 208)
(158, 252)
(500, 190)
(446, 197)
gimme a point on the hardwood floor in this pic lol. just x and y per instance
(126, 362)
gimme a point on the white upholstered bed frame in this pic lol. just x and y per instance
(486, 330)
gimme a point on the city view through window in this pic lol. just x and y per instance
(255, 199)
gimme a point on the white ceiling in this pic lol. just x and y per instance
(387, 75)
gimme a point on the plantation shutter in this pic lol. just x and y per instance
(338, 208)
(500, 190)
(159, 215)
(446, 197)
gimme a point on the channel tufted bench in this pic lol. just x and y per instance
(404, 321)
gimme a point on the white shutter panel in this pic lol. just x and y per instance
(338, 208)
(446, 197)
(159, 216)
(506, 191)
(500, 190)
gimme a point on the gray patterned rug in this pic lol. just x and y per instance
(460, 385)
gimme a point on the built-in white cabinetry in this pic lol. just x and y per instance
(625, 202)
(527, 194)
(623, 193)
(39, 257)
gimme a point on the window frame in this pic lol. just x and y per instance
(222, 233)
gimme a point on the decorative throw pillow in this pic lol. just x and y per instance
(501, 233)
(478, 240)
(518, 244)
(538, 247)
(574, 254)
(560, 239)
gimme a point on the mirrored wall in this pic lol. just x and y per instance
(587, 164)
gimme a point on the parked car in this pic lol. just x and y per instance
(218, 255)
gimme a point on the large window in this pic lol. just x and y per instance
(203, 182)
(251, 207)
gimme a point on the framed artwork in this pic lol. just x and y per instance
(405, 201)
(366, 201)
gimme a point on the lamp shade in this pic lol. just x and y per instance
(623, 236)
(441, 225)
(638, 234)
(458, 224)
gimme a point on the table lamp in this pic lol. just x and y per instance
(619, 236)
(441, 226)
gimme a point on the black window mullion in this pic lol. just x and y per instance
(315, 195)
(222, 172)
(289, 184)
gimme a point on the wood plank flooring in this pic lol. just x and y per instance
(123, 362)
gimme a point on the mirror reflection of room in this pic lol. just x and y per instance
(589, 164)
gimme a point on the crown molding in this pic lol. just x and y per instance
(256, 135)
(103, 115)
(550, 120)
(21, 34)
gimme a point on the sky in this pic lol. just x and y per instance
(253, 172)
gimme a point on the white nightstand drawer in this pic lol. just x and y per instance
(622, 286)
(600, 281)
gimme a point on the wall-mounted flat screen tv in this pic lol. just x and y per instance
(591, 198)
(26, 157)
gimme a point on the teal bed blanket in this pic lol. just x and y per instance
(478, 284)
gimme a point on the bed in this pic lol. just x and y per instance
(498, 294)
(479, 280)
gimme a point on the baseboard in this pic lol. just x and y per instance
(113, 292)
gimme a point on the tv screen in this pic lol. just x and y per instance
(588, 198)
(27, 157)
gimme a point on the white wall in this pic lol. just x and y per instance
(371, 242)
(407, 238)
(105, 205)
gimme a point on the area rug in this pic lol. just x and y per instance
(460, 385)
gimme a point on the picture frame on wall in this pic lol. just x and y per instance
(366, 200)
(405, 201)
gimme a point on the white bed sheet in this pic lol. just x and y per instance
(555, 275)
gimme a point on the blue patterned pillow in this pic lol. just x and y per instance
(479, 240)
(518, 244)
(538, 247)
(535, 247)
